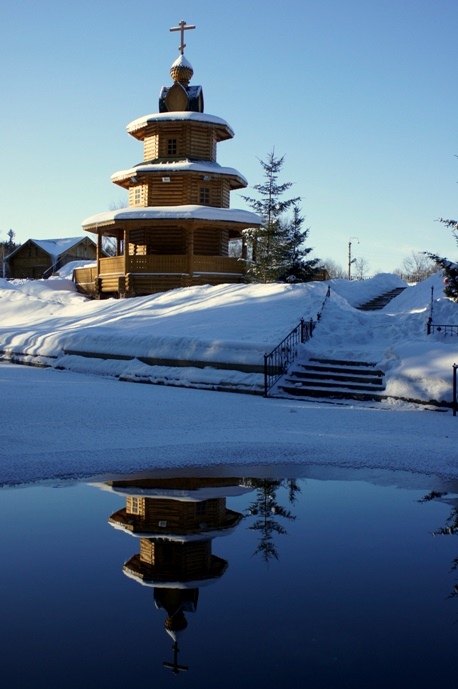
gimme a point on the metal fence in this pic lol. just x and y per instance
(445, 329)
(454, 400)
(276, 363)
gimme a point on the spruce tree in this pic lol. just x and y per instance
(295, 266)
(450, 271)
(266, 241)
(450, 268)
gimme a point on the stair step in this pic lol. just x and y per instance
(344, 370)
(332, 384)
(380, 302)
(340, 376)
(342, 362)
(334, 379)
(331, 393)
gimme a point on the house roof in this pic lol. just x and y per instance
(53, 247)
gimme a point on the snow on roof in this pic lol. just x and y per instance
(56, 247)
(53, 247)
(181, 61)
(207, 168)
(177, 213)
(164, 116)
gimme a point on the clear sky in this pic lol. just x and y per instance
(359, 95)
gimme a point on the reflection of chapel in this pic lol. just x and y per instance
(175, 520)
(178, 228)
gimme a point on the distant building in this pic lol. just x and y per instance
(40, 258)
(178, 228)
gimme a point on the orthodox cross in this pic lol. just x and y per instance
(175, 667)
(182, 27)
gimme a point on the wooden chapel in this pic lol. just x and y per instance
(177, 229)
(176, 520)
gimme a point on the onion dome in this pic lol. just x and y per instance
(175, 623)
(181, 71)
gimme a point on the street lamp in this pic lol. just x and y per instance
(350, 260)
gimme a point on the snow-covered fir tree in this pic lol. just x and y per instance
(293, 250)
(276, 248)
(450, 268)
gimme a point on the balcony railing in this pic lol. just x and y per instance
(157, 264)
(217, 264)
(171, 264)
(112, 264)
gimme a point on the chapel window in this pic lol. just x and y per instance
(171, 147)
(138, 196)
(133, 505)
(204, 196)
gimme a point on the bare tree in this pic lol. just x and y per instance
(361, 268)
(333, 268)
(119, 204)
(417, 267)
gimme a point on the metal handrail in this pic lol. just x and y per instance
(277, 362)
(447, 329)
(454, 400)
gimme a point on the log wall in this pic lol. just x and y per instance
(193, 140)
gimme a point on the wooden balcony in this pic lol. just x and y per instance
(218, 264)
(170, 264)
(135, 275)
(112, 264)
(157, 264)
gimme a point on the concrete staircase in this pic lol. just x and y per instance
(380, 302)
(334, 379)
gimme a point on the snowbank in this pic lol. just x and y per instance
(234, 325)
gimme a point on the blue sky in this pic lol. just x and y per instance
(360, 96)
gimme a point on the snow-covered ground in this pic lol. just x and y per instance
(47, 321)
(65, 424)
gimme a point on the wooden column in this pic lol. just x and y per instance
(244, 247)
(126, 252)
(99, 251)
(190, 249)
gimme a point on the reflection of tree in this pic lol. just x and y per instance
(266, 509)
(450, 529)
(451, 525)
(432, 496)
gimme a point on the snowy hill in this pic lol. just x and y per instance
(228, 328)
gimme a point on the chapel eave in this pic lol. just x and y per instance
(138, 127)
(126, 178)
(163, 215)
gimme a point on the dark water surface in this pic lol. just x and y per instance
(242, 581)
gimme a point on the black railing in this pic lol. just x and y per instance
(431, 327)
(278, 361)
(445, 329)
(454, 400)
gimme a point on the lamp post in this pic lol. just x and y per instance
(350, 260)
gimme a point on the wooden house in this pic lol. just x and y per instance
(178, 228)
(40, 258)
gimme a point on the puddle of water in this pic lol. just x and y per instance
(226, 580)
